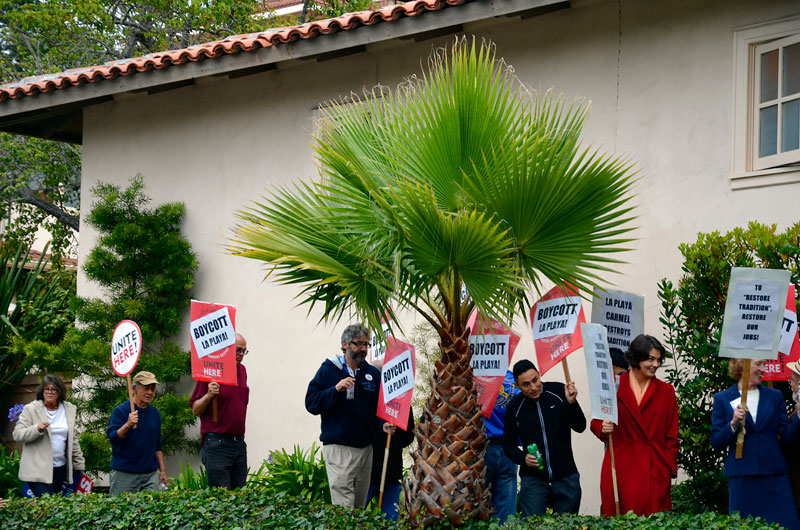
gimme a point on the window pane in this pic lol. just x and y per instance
(769, 76)
(790, 129)
(791, 70)
(768, 131)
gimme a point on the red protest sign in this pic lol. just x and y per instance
(126, 345)
(85, 485)
(789, 347)
(397, 383)
(491, 347)
(213, 340)
(554, 322)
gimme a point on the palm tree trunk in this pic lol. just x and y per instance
(448, 475)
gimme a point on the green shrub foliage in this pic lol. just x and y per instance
(692, 315)
(300, 473)
(257, 508)
(145, 268)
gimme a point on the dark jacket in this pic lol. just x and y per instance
(394, 466)
(547, 422)
(350, 422)
(761, 453)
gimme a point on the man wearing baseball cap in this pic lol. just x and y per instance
(137, 462)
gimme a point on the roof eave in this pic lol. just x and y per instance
(58, 114)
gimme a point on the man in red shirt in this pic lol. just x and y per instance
(224, 452)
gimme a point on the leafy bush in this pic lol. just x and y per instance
(256, 507)
(300, 473)
(692, 315)
(10, 484)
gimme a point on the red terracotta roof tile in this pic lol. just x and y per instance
(31, 86)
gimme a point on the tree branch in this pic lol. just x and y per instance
(72, 221)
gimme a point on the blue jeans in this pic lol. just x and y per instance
(562, 495)
(54, 488)
(391, 498)
(225, 459)
(501, 475)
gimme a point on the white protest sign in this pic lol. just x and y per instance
(754, 312)
(788, 331)
(621, 313)
(397, 376)
(212, 332)
(557, 316)
(489, 354)
(126, 345)
(602, 389)
(377, 350)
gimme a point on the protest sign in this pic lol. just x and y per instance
(397, 383)
(789, 346)
(126, 346)
(754, 312)
(753, 320)
(491, 347)
(377, 350)
(621, 313)
(602, 390)
(554, 321)
(213, 342)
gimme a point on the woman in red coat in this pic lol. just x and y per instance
(646, 438)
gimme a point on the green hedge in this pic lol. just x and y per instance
(253, 508)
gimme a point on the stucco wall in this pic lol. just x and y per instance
(661, 88)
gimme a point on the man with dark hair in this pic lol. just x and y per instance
(618, 363)
(344, 392)
(544, 414)
(224, 451)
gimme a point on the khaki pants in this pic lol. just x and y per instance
(348, 473)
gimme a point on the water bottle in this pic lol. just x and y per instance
(533, 449)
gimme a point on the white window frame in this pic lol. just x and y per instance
(746, 173)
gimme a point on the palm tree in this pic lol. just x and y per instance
(460, 177)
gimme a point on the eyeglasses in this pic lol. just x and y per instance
(360, 344)
(50, 390)
(243, 351)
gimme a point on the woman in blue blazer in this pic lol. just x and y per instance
(758, 483)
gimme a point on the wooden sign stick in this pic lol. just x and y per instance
(130, 395)
(613, 472)
(385, 464)
(745, 382)
(566, 370)
(214, 408)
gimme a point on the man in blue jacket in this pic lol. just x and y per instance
(137, 461)
(501, 473)
(345, 393)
